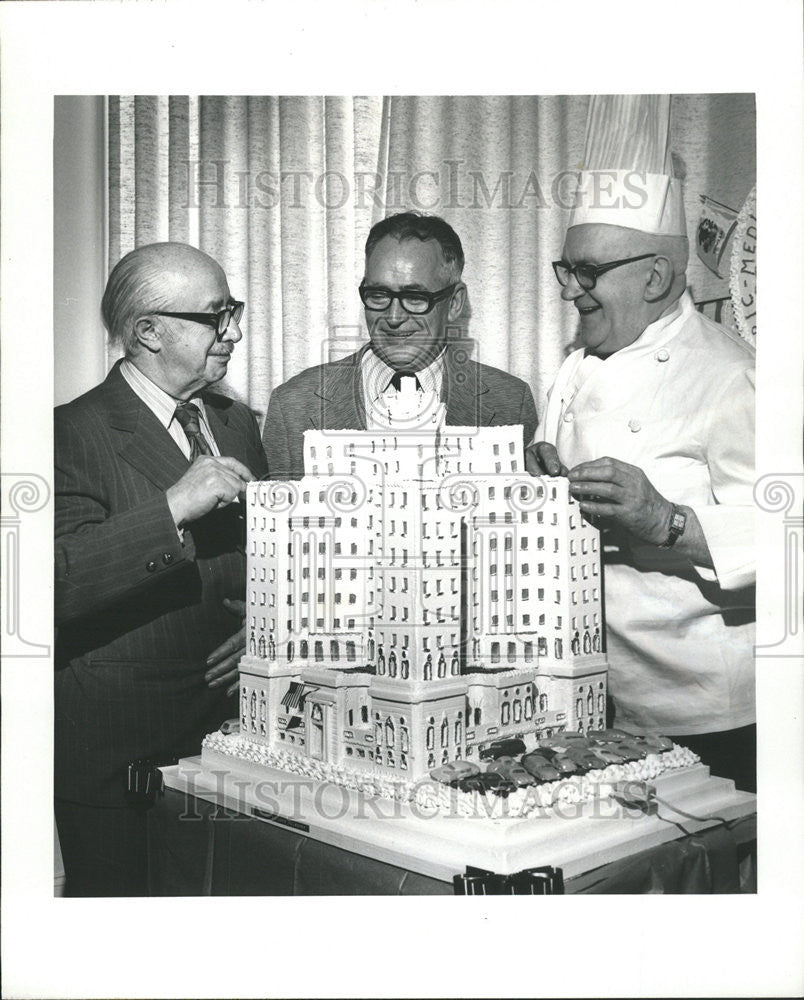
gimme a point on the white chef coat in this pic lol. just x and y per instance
(679, 404)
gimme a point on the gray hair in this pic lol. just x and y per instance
(142, 283)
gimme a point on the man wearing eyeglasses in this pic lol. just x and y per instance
(150, 566)
(413, 298)
(653, 422)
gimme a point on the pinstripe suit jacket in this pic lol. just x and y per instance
(138, 610)
(330, 397)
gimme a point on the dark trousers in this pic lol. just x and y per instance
(730, 754)
(104, 849)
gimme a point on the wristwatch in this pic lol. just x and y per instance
(678, 522)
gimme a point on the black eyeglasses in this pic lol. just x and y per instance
(377, 298)
(219, 320)
(587, 274)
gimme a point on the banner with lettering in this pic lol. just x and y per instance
(743, 278)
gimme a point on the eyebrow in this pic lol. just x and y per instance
(415, 287)
(216, 304)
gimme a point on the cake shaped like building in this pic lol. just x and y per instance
(417, 596)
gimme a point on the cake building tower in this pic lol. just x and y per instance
(417, 596)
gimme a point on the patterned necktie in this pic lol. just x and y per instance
(187, 415)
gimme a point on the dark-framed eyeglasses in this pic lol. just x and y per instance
(587, 274)
(220, 320)
(376, 298)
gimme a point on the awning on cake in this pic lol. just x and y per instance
(293, 702)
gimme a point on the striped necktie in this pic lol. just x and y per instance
(187, 415)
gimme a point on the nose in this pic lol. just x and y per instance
(395, 315)
(233, 332)
(572, 290)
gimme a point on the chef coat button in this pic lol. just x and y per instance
(663, 354)
(167, 558)
(150, 566)
(634, 426)
(568, 418)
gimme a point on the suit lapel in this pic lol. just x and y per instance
(229, 441)
(338, 402)
(141, 440)
(465, 393)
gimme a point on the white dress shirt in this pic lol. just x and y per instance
(163, 407)
(380, 397)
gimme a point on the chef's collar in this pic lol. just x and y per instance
(654, 331)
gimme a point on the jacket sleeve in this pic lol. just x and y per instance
(728, 523)
(257, 460)
(527, 416)
(103, 555)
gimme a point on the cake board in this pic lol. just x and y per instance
(575, 838)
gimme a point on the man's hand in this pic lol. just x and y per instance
(623, 496)
(541, 459)
(211, 481)
(223, 661)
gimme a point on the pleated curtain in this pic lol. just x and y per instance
(282, 191)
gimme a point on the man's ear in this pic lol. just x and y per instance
(148, 333)
(457, 302)
(661, 279)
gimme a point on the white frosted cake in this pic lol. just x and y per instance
(415, 600)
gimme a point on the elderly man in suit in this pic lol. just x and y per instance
(413, 297)
(150, 565)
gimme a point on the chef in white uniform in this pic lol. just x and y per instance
(653, 422)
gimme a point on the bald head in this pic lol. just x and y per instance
(149, 279)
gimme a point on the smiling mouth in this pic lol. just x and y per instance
(586, 310)
(398, 334)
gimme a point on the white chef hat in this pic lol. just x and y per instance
(627, 176)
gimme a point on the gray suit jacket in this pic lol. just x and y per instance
(330, 397)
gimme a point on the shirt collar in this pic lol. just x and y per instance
(657, 332)
(159, 402)
(377, 374)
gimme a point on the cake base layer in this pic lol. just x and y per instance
(575, 837)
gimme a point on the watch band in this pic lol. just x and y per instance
(678, 522)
